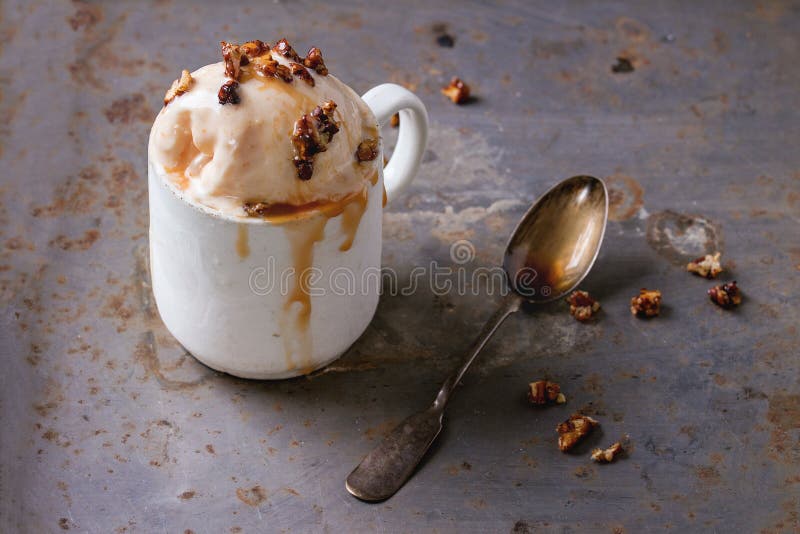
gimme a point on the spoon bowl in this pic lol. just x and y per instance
(557, 241)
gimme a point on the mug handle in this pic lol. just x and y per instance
(386, 100)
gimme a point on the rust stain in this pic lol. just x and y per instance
(210, 449)
(584, 472)
(129, 109)
(632, 29)
(79, 243)
(381, 430)
(625, 197)
(708, 474)
(86, 16)
(186, 495)
(784, 411)
(681, 238)
(253, 496)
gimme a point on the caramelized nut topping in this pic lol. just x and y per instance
(573, 430)
(325, 123)
(285, 49)
(726, 295)
(254, 49)
(707, 266)
(367, 150)
(314, 61)
(232, 56)
(647, 303)
(179, 87)
(255, 209)
(266, 66)
(284, 73)
(606, 456)
(457, 91)
(582, 306)
(227, 93)
(301, 72)
(544, 392)
(311, 135)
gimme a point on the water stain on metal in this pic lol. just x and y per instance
(681, 238)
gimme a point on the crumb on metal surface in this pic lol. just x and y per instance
(457, 91)
(582, 306)
(607, 455)
(573, 430)
(647, 303)
(707, 266)
(545, 392)
(726, 295)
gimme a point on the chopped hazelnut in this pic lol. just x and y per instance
(726, 295)
(395, 120)
(605, 456)
(284, 73)
(232, 56)
(254, 49)
(266, 66)
(647, 303)
(573, 430)
(367, 150)
(179, 87)
(707, 266)
(301, 72)
(227, 93)
(311, 135)
(544, 392)
(457, 91)
(314, 61)
(285, 49)
(255, 209)
(582, 306)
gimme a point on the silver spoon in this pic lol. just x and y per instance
(550, 252)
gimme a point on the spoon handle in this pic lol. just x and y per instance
(387, 467)
(510, 304)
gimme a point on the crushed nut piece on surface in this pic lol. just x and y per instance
(255, 209)
(708, 266)
(647, 303)
(543, 392)
(726, 295)
(227, 93)
(605, 456)
(311, 135)
(457, 91)
(573, 430)
(561, 399)
(314, 61)
(232, 56)
(395, 120)
(179, 87)
(301, 72)
(285, 49)
(582, 306)
(367, 150)
(622, 66)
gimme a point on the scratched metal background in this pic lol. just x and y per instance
(106, 425)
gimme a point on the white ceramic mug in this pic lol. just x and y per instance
(229, 288)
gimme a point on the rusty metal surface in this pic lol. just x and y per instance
(107, 426)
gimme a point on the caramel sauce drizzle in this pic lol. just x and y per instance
(242, 241)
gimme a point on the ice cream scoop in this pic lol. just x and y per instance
(264, 128)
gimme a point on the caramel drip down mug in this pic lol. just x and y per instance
(287, 294)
